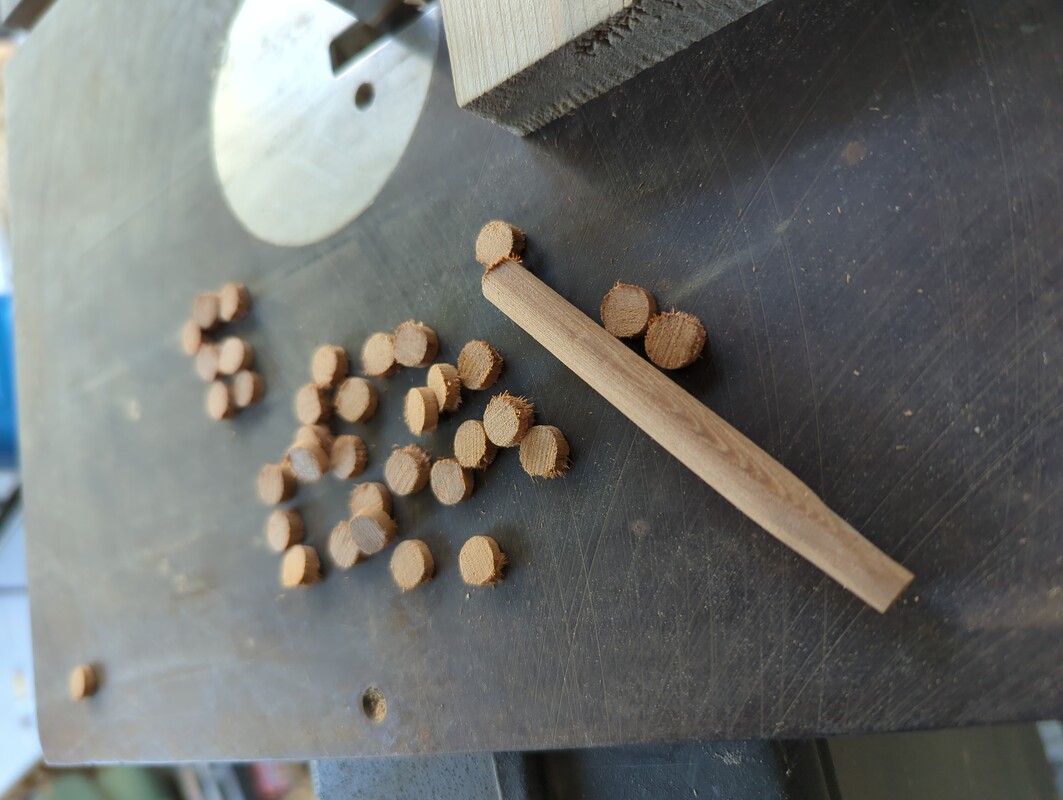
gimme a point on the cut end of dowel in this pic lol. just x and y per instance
(499, 241)
(481, 561)
(411, 564)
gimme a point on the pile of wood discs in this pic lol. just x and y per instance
(673, 339)
(371, 528)
(226, 363)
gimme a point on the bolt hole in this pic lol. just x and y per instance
(363, 96)
(374, 704)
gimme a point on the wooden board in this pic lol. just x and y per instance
(863, 206)
(524, 63)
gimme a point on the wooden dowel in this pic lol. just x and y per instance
(753, 481)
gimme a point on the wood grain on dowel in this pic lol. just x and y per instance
(753, 481)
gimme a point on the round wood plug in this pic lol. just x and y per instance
(451, 482)
(406, 470)
(378, 356)
(276, 483)
(248, 388)
(348, 457)
(498, 241)
(312, 404)
(300, 567)
(416, 344)
(319, 434)
(445, 383)
(411, 564)
(544, 452)
(191, 338)
(234, 302)
(329, 365)
(472, 448)
(234, 354)
(479, 365)
(372, 531)
(674, 339)
(370, 496)
(284, 529)
(627, 310)
(342, 548)
(507, 419)
(481, 561)
(205, 310)
(420, 410)
(83, 682)
(220, 404)
(207, 362)
(308, 460)
(355, 400)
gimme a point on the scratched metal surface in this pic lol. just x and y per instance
(861, 200)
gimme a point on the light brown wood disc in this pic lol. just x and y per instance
(284, 529)
(319, 434)
(207, 361)
(479, 365)
(276, 483)
(348, 457)
(420, 410)
(220, 403)
(355, 400)
(451, 482)
(342, 548)
(312, 404)
(498, 241)
(378, 356)
(191, 338)
(83, 682)
(406, 470)
(300, 567)
(329, 365)
(234, 302)
(481, 561)
(507, 418)
(248, 388)
(370, 496)
(674, 339)
(308, 460)
(472, 448)
(412, 564)
(205, 310)
(627, 310)
(445, 383)
(372, 531)
(544, 452)
(416, 345)
(234, 354)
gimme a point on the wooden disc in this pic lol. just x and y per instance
(234, 354)
(451, 482)
(472, 448)
(342, 548)
(300, 567)
(370, 496)
(312, 404)
(314, 433)
(284, 529)
(378, 356)
(674, 339)
(220, 403)
(420, 410)
(329, 365)
(479, 365)
(248, 388)
(348, 457)
(507, 418)
(416, 344)
(498, 241)
(372, 531)
(412, 564)
(544, 452)
(355, 400)
(205, 310)
(445, 383)
(276, 483)
(627, 309)
(406, 470)
(83, 682)
(308, 460)
(234, 302)
(191, 338)
(207, 361)
(481, 561)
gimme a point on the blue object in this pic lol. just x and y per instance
(8, 402)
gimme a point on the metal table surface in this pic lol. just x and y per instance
(862, 202)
